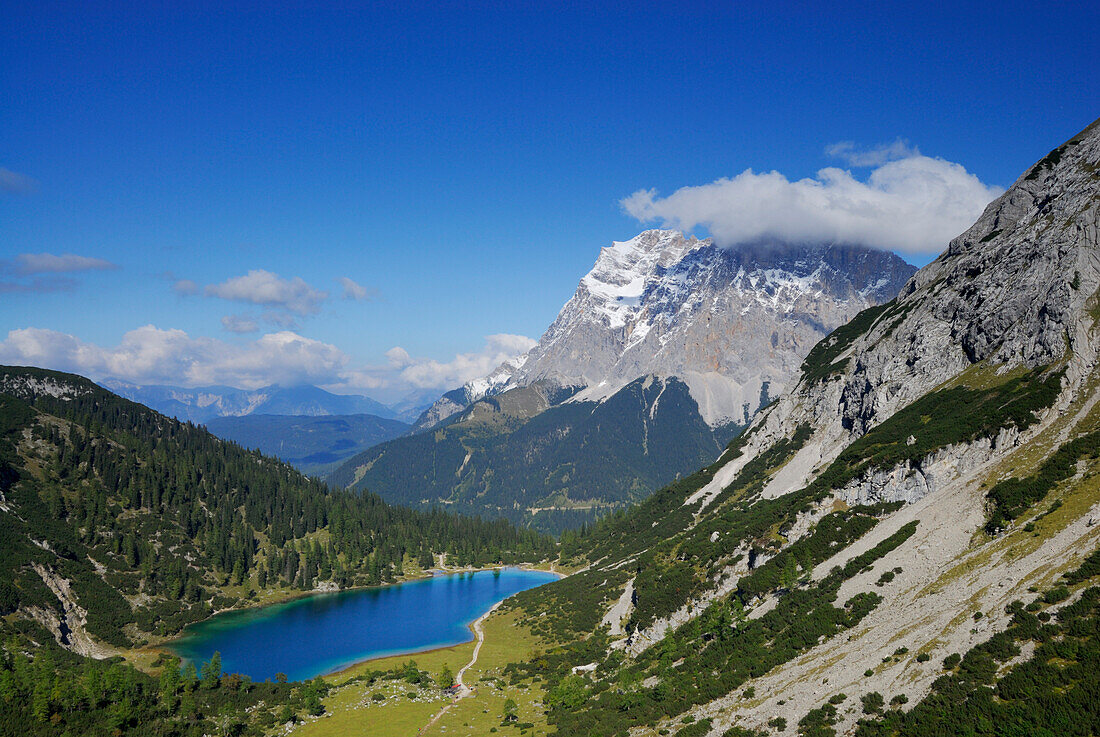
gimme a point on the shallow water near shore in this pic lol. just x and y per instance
(322, 633)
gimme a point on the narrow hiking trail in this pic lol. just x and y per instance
(464, 690)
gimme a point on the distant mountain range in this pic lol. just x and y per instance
(312, 444)
(202, 404)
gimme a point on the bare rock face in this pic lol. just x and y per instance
(29, 386)
(1019, 289)
(733, 323)
(67, 625)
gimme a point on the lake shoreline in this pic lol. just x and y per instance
(164, 647)
(346, 670)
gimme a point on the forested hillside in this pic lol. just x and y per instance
(529, 457)
(119, 525)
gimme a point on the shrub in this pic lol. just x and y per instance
(698, 729)
(1055, 595)
(872, 702)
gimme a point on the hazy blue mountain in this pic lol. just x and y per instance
(413, 404)
(205, 403)
(312, 444)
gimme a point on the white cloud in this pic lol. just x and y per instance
(855, 156)
(239, 324)
(39, 273)
(406, 373)
(914, 204)
(355, 291)
(398, 357)
(185, 287)
(355, 381)
(260, 287)
(16, 183)
(427, 373)
(150, 355)
(49, 263)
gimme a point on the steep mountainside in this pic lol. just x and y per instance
(732, 323)
(205, 403)
(928, 487)
(312, 444)
(532, 457)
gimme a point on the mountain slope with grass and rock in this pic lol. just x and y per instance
(903, 543)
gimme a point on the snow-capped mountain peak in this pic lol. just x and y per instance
(623, 270)
(733, 323)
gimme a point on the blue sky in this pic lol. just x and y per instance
(462, 163)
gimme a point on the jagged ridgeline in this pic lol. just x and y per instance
(119, 523)
(927, 489)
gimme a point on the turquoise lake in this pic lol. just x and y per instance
(322, 633)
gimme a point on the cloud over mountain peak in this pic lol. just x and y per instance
(909, 203)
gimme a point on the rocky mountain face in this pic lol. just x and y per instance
(205, 403)
(730, 326)
(732, 323)
(926, 487)
(1011, 293)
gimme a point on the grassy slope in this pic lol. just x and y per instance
(974, 406)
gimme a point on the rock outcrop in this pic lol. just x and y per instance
(1018, 290)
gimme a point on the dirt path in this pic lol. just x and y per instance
(463, 689)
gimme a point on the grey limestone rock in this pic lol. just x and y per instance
(733, 323)
(1020, 288)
